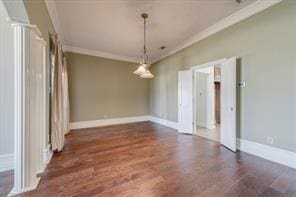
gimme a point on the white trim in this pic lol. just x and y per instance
(20, 137)
(99, 54)
(208, 64)
(115, 121)
(105, 122)
(195, 70)
(167, 123)
(22, 24)
(47, 155)
(14, 192)
(41, 40)
(6, 162)
(277, 155)
(25, 177)
(234, 18)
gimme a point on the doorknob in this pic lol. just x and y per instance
(231, 108)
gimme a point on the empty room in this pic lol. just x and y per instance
(148, 98)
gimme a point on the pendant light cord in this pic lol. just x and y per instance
(145, 52)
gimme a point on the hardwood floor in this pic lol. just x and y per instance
(6, 182)
(211, 134)
(147, 159)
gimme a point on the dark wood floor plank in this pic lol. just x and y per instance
(147, 159)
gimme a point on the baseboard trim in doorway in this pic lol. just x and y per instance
(277, 155)
(106, 122)
(6, 162)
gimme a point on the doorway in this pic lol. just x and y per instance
(207, 101)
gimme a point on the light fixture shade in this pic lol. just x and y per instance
(141, 69)
(147, 75)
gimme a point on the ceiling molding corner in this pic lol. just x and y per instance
(232, 19)
(52, 10)
(99, 54)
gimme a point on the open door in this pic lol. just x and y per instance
(185, 104)
(228, 104)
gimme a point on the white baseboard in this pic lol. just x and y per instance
(277, 155)
(167, 123)
(6, 162)
(47, 155)
(105, 122)
(15, 192)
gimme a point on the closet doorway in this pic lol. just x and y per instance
(207, 103)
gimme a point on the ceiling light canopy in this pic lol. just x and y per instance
(142, 70)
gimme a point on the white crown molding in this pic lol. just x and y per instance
(6, 162)
(52, 10)
(277, 155)
(99, 54)
(236, 17)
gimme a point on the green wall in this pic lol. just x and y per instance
(104, 88)
(266, 46)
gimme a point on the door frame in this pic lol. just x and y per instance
(195, 70)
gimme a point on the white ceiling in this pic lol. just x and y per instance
(114, 27)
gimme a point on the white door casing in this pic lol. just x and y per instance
(185, 101)
(228, 103)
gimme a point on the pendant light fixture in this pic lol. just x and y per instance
(142, 70)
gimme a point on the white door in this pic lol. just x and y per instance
(185, 96)
(228, 104)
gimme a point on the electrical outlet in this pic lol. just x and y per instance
(270, 140)
(105, 116)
